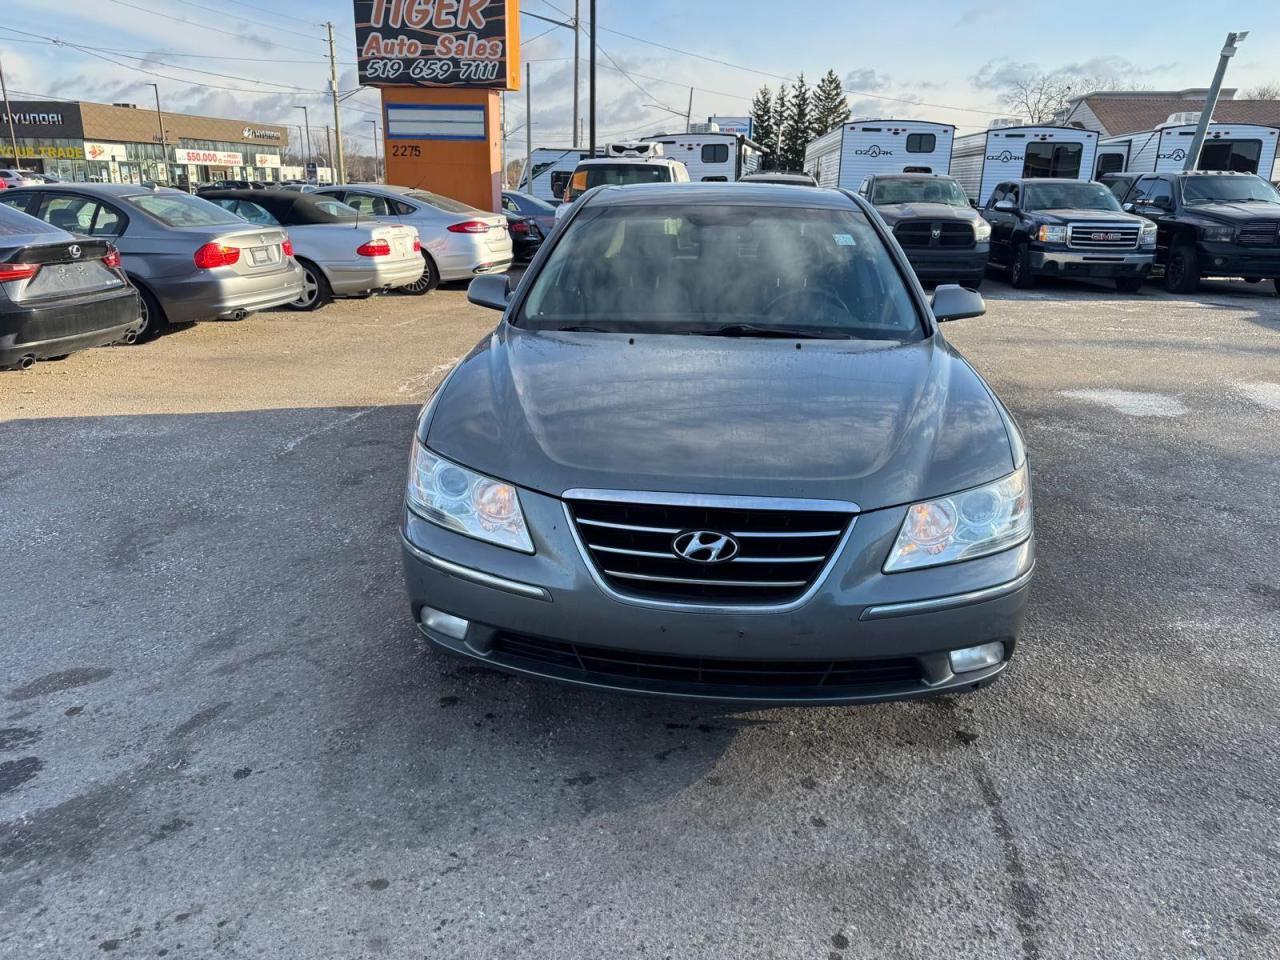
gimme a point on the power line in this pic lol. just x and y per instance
(201, 6)
(202, 26)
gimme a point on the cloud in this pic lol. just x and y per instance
(865, 78)
(977, 14)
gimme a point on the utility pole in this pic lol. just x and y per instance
(1211, 101)
(337, 115)
(528, 123)
(164, 146)
(377, 160)
(8, 112)
(310, 158)
(577, 43)
(592, 104)
(328, 142)
(688, 117)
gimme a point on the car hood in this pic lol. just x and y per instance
(1093, 216)
(875, 423)
(1235, 212)
(925, 211)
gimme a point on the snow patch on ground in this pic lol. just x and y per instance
(1131, 403)
(1264, 394)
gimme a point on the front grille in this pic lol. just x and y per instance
(933, 233)
(1103, 236)
(621, 666)
(782, 549)
(1260, 233)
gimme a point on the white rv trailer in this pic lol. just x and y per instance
(1243, 147)
(711, 154)
(849, 154)
(983, 161)
(552, 167)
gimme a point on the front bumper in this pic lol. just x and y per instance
(931, 263)
(1079, 263)
(1235, 260)
(54, 328)
(220, 294)
(348, 279)
(862, 637)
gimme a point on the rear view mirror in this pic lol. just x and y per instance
(491, 291)
(953, 302)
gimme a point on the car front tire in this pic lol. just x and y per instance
(1182, 275)
(1021, 274)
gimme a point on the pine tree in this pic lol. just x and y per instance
(762, 129)
(781, 111)
(797, 132)
(830, 105)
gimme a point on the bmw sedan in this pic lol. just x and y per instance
(718, 447)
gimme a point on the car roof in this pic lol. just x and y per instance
(913, 176)
(604, 161)
(771, 175)
(1021, 180)
(739, 194)
(105, 189)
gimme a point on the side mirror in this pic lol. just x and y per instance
(1128, 207)
(954, 302)
(492, 291)
(1006, 206)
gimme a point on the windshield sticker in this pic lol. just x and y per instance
(844, 240)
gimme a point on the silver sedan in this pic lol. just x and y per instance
(458, 241)
(189, 259)
(341, 254)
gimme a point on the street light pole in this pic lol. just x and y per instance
(1211, 101)
(377, 160)
(592, 104)
(8, 112)
(307, 120)
(528, 123)
(164, 143)
(577, 86)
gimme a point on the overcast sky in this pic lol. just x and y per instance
(939, 60)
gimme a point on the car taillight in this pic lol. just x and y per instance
(417, 245)
(287, 247)
(519, 226)
(18, 271)
(112, 259)
(216, 255)
(469, 226)
(374, 248)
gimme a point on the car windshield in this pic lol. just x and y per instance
(182, 210)
(1228, 190)
(447, 204)
(919, 190)
(729, 270)
(617, 175)
(1068, 196)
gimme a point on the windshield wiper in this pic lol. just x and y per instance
(764, 331)
(579, 328)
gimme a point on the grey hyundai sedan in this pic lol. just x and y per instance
(719, 448)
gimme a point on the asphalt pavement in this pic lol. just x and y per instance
(220, 736)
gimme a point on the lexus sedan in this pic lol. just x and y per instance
(718, 447)
(188, 258)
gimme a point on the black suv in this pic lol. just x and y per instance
(1067, 228)
(942, 235)
(1211, 223)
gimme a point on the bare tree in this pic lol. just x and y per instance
(1264, 91)
(1037, 97)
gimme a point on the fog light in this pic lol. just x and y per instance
(455, 627)
(976, 658)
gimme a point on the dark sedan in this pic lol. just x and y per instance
(59, 293)
(718, 447)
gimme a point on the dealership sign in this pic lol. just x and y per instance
(253, 133)
(105, 151)
(438, 43)
(216, 158)
(266, 160)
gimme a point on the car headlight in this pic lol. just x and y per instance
(981, 231)
(1148, 238)
(965, 525)
(1050, 234)
(465, 501)
(1222, 233)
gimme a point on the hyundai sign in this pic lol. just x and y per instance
(438, 43)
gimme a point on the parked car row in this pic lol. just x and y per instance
(228, 253)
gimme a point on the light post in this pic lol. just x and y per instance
(307, 120)
(164, 143)
(1211, 101)
(377, 160)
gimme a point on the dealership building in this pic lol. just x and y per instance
(123, 143)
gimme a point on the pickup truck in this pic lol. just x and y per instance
(1067, 228)
(945, 239)
(1210, 224)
